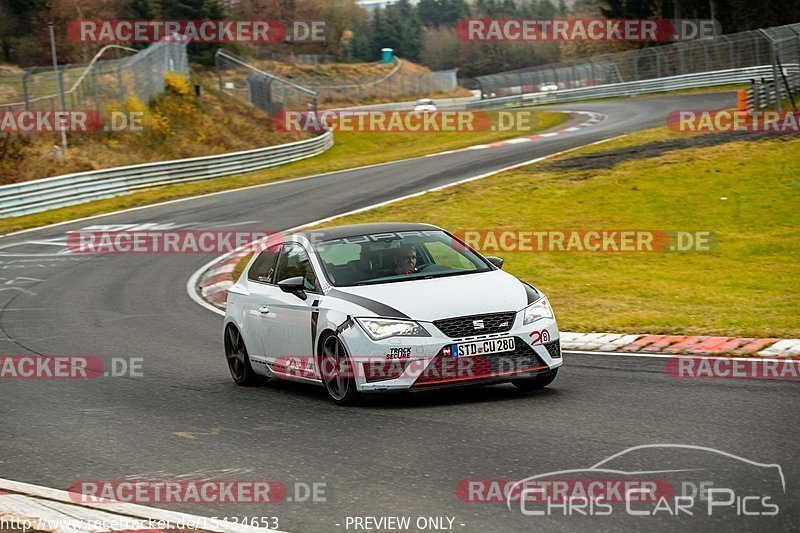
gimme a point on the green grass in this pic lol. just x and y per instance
(351, 150)
(747, 286)
(238, 268)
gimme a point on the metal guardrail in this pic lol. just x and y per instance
(635, 88)
(612, 90)
(768, 93)
(71, 189)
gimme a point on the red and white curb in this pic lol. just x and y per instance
(215, 282)
(680, 344)
(594, 118)
(30, 507)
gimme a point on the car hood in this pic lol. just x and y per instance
(445, 297)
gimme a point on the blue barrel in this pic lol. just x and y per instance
(386, 55)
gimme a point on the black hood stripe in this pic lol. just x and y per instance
(530, 292)
(314, 322)
(367, 303)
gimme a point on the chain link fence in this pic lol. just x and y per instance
(95, 85)
(272, 93)
(262, 89)
(785, 58)
(778, 46)
(395, 85)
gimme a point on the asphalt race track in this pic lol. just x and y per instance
(402, 455)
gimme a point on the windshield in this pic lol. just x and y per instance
(392, 257)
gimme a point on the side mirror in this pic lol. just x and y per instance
(295, 285)
(496, 261)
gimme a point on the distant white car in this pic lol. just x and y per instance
(386, 307)
(547, 87)
(424, 105)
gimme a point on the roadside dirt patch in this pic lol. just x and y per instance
(609, 158)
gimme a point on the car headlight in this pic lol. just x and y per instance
(537, 310)
(383, 328)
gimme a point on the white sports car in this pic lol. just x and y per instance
(386, 307)
(424, 105)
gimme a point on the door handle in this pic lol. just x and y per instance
(263, 309)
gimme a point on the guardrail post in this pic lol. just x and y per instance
(758, 52)
(120, 85)
(775, 77)
(755, 91)
(25, 94)
(774, 59)
(216, 65)
(791, 28)
(658, 62)
(730, 50)
(95, 90)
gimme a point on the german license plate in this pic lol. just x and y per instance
(488, 346)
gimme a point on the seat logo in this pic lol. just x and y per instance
(477, 324)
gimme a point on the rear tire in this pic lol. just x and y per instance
(536, 383)
(238, 358)
(337, 373)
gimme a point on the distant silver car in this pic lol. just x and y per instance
(386, 307)
(424, 105)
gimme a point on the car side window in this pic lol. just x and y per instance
(263, 268)
(294, 262)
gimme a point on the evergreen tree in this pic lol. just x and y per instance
(435, 13)
(195, 10)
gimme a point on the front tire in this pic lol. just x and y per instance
(238, 358)
(538, 382)
(337, 373)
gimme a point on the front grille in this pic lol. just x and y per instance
(444, 369)
(464, 326)
(554, 349)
